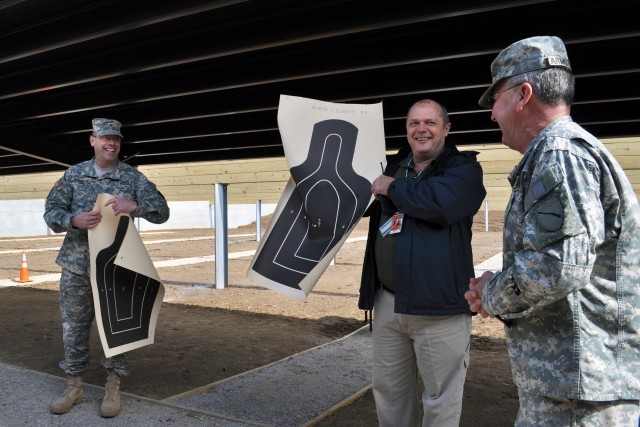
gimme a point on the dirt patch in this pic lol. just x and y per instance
(206, 334)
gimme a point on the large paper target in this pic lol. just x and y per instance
(334, 152)
(127, 291)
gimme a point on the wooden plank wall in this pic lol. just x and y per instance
(264, 179)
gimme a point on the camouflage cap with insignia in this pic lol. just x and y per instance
(534, 53)
(103, 127)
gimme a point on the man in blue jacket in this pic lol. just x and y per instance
(417, 266)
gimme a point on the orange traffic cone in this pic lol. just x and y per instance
(24, 270)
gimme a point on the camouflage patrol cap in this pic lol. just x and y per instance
(102, 127)
(534, 53)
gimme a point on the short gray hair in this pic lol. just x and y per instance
(552, 86)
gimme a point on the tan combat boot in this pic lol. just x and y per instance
(71, 395)
(111, 401)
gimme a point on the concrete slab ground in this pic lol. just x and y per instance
(292, 392)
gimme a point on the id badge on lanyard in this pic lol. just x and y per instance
(393, 225)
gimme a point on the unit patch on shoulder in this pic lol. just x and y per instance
(551, 214)
(58, 184)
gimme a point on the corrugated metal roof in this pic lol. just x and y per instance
(200, 80)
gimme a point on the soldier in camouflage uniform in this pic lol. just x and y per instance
(69, 207)
(569, 289)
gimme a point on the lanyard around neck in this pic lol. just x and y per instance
(406, 172)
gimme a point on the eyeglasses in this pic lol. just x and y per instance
(494, 97)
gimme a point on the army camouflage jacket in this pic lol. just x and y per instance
(570, 285)
(77, 191)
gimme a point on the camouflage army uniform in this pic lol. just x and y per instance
(76, 192)
(570, 285)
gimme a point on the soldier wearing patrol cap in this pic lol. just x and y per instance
(69, 208)
(569, 290)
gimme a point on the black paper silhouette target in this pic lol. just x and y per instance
(126, 297)
(127, 293)
(329, 198)
(324, 198)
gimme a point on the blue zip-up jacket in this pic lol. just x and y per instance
(433, 257)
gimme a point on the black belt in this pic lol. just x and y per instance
(391, 291)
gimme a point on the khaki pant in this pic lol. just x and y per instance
(436, 348)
